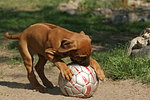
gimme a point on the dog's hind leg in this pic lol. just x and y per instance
(40, 70)
(28, 62)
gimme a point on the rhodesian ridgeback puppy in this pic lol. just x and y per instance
(52, 43)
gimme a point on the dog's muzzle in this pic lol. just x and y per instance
(84, 61)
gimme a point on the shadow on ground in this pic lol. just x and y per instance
(16, 85)
(54, 91)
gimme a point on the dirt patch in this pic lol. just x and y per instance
(15, 86)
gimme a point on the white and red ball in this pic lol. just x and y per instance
(83, 83)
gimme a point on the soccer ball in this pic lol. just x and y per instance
(83, 83)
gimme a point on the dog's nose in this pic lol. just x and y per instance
(85, 63)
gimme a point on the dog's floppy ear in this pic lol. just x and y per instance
(67, 45)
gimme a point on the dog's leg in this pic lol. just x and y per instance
(28, 62)
(66, 72)
(40, 70)
(97, 68)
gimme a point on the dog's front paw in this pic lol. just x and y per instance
(67, 73)
(100, 74)
(101, 77)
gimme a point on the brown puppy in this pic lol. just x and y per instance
(52, 43)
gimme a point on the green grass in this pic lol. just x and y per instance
(16, 59)
(117, 66)
(113, 61)
(1, 75)
(27, 4)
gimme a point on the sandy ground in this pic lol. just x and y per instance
(15, 86)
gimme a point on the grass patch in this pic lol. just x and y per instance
(117, 66)
(1, 75)
(13, 45)
(15, 60)
(27, 5)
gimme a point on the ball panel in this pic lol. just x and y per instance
(76, 69)
(92, 74)
(69, 84)
(88, 90)
(79, 95)
(68, 90)
(61, 81)
(74, 79)
(92, 79)
(73, 85)
(82, 79)
(64, 91)
(75, 90)
(91, 69)
(85, 69)
(79, 87)
(94, 87)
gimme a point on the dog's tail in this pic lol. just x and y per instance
(14, 36)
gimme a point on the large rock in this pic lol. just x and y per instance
(132, 17)
(134, 3)
(118, 18)
(136, 43)
(70, 7)
(107, 12)
(112, 16)
(143, 52)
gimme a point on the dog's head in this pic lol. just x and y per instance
(146, 33)
(79, 48)
(83, 52)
